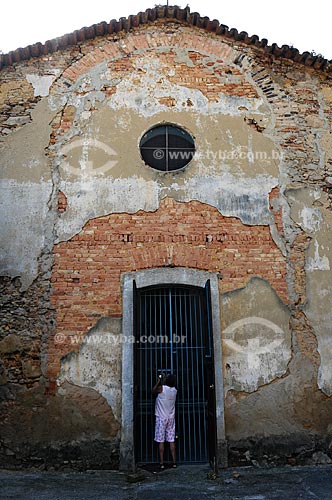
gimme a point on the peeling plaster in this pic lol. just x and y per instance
(278, 240)
(303, 211)
(21, 248)
(183, 57)
(97, 364)
(317, 222)
(319, 298)
(325, 352)
(113, 109)
(224, 172)
(141, 88)
(317, 263)
(143, 98)
(256, 336)
(42, 83)
(26, 190)
(311, 219)
(249, 202)
(221, 173)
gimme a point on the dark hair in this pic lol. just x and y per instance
(170, 380)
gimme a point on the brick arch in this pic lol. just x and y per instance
(87, 269)
(138, 41)
(121, 55)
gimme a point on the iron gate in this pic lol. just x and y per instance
(172, 326)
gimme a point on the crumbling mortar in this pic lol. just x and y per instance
(26, 315)
(303, 124)
(7, 128)
(299, 299)
(327, 170)
(45, 260)
(302, 333)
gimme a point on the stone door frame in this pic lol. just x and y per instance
(169, 276)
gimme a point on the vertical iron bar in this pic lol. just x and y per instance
(147, 327)
(198, 379)
(162, 354)
(152, 378)
(203, 376)
(171, 327)
(207, 298)
(182, 393)
(192, 374)
(155, 352)
(187, 374)
(140, 381)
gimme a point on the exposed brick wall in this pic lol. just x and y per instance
(211, 78)
(62, 202)
(138, 41)
(276, 209)
(87, 268)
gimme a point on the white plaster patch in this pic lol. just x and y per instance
(256, 350)
(318, 263)
(41, 83)
(244, 198)
(303, 212)
(182, 56)
(325, 352)
(114, 196)
(85, 115)
(24, 210)
(311, 219)
(56, 102)
(257, 356)
(97, 365)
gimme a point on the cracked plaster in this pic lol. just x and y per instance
(309, 210)
(224, 172)
(256, 336)
(26, 192)
(97, 363)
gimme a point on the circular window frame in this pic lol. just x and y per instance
(159, 160)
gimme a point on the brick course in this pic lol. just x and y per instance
(87, 268)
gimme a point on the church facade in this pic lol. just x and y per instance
(166, 208)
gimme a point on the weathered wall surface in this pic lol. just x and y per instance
(81, 207)
(310, 208)
(87, 268)
(97, 364)
(256, 336)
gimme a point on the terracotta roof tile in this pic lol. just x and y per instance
(160, 12)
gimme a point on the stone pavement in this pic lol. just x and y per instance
(193, 482)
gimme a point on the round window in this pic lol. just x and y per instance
(167, 147)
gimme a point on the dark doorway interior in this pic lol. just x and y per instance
(172, 326)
